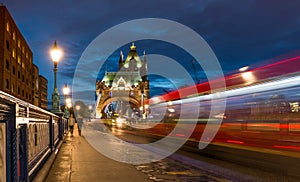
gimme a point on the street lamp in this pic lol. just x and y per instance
(55, 55)
(66, 91)
(69, 102)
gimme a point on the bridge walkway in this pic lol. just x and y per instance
(78, 161)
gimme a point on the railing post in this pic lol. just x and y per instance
(51, 134)
(11, 146)
(23, 153)
(67, 125)
(60, 128)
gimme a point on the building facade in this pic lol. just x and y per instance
(35, 85)
(43, 92)
(17, 71)
(126, 90)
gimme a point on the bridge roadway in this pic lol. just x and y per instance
(77, 160)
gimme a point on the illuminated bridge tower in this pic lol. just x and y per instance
(124, 92)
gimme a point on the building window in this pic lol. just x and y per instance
(7, 27)
(14, 35)
(14, 53)
(7, 64)
(23, 65)
(12, 87)
(19, 43)
(14, 70)
(7, 84)
(19, 74)
(7, 45)
(19, 60)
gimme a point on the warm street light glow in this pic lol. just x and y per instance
(68, 100)
(56, 53)
(66, 90)
(69, 105)
(77, 107)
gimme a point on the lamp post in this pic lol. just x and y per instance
(55, 55)
(66, 91)
(90, 112)
(146, 110)
(142, 108)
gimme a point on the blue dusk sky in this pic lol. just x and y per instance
(239, 32)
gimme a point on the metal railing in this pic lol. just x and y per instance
(28, 135)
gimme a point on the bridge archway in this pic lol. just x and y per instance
(125, 106)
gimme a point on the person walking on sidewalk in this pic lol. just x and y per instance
(79, 123)
(71, 124)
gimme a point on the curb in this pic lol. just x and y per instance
(46, 167)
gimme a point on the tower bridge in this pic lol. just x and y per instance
(127, 89)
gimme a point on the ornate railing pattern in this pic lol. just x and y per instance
(37, 139)
(56, 131)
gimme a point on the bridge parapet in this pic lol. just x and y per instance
(28, 135)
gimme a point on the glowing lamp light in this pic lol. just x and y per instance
(68, 101)
(66, 90)
(56, 53)
(69, 105)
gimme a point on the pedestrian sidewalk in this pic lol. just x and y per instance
(78, 161)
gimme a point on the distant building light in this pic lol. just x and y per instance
(294, 106)
(171, 110)
(244, 68)
(248, 77)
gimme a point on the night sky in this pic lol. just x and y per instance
(239, 32)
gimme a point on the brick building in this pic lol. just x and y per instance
(43, 92)
(18, 74)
